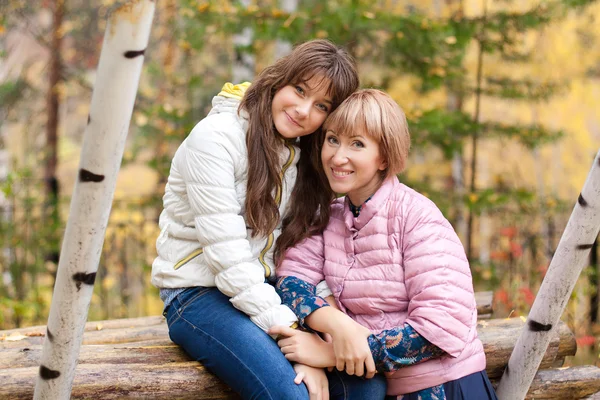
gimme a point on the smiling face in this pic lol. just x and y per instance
(353, 164)
(300, 109)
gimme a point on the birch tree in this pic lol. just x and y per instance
(119, 69)
(566, 265)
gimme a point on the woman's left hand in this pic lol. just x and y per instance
(303, 347)
(315, 380)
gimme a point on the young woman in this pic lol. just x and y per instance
(241, 169)
(395, 265)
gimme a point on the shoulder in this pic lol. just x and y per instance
(414, 206)
(226, 129)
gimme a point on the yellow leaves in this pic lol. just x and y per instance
(399, 35)
(184, 44)
(450, 40)
(473, 197)
(486, 274)
(322, 34)
(141, 119)
(437, 71)
(289, 21)
(252, 8)
(14, 337)
(109, 282)
(186, 12)
(202, 7)
(369, 15)
(277, 13)
(2, 29)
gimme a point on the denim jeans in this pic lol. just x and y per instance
(205, 324)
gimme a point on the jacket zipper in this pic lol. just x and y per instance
(188, 258)
(271, 238)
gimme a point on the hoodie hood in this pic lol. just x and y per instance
(228, 100)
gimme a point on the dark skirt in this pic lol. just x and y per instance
(476, 386)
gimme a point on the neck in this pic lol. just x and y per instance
(358, 199)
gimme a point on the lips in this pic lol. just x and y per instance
(340, 174)
(292, 120)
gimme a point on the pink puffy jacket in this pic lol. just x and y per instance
(399, 261)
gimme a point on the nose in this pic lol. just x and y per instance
(303, 108)
(339, 157)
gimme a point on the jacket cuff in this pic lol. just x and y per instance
(323, 290)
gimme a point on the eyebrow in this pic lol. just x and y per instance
(348, 136)
(312, 89)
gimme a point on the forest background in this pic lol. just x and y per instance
(501, 96)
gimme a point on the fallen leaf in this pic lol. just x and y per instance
(14, 337)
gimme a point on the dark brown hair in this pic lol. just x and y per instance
(311, 196)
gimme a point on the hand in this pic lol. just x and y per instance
(315, 380)
(327, 337)
(351, 348)
(303, 347)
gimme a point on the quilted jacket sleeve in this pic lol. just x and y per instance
(210, 174)
(438, 279)
(305, 261)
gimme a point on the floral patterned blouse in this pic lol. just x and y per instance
(392, 349)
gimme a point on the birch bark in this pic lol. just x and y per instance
(566, 265)
(119, 70)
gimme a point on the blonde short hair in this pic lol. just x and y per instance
(380, 118)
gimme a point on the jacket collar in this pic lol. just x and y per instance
(371, 207)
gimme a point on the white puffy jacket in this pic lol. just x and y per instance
(204, 240)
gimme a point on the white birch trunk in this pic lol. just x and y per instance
(242, 69)
(566, 265)
(119, 70)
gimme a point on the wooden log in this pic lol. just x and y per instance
(498, 337)
(484, 304)
(139, 329)
(595, 396)
(91, 326)
(565, 383)
(104, 336)
(189, 380)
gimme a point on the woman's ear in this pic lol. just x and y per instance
(383, 166)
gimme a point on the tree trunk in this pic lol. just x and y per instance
(594, 283)
(114, 94)
(475, 137)
(567, 263)
(52, 187)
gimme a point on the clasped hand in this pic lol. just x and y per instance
(349, 350)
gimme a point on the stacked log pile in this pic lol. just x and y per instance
(134, 358)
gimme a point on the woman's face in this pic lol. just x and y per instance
(353, 164)
(299, 110)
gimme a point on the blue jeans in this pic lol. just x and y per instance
(205, 324)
